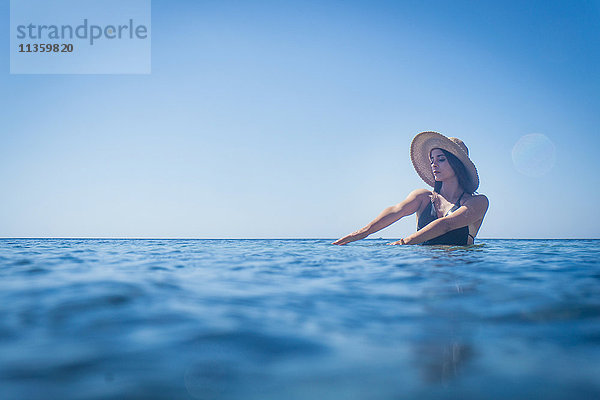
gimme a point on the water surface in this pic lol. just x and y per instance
(298, 319)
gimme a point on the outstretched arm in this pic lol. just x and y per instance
(473, 210)
(388, 216)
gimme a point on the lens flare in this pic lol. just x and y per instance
(534, 155)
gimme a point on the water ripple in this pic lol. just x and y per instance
(271, 319)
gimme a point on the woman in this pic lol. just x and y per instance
(452, 213)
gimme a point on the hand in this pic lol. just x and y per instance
(351, 238)
(401, 241)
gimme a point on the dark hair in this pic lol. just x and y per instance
(459, 170)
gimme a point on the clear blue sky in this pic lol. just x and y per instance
(281, 119)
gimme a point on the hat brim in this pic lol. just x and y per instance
(420, 150)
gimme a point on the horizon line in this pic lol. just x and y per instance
(258, 238)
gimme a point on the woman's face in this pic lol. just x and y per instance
(440, 166)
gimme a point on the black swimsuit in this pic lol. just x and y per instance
(459, 236)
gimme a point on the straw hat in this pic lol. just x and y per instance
(422, 145)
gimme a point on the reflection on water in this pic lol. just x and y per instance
(444, 350)
(298, 319)
(440, 362)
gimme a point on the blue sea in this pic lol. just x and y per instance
(298, 319)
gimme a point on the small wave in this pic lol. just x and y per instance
(23, 261)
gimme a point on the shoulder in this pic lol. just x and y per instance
(418, 197)
(420, 193)
(479, 201)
